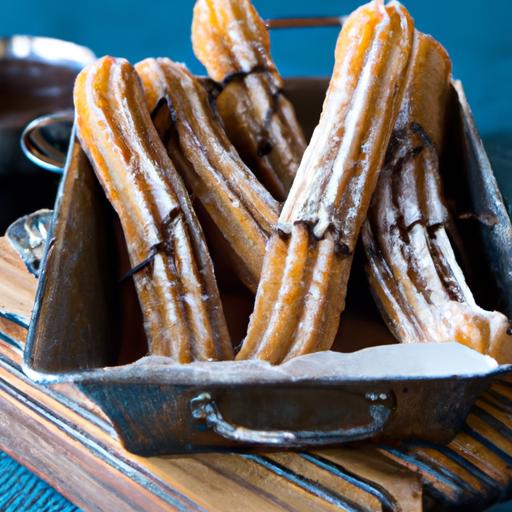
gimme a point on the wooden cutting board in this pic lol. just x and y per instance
(66, 440)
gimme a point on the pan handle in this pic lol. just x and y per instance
(205, 409)
(306, 22)
(45, 140)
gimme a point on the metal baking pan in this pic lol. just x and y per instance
(86, 329)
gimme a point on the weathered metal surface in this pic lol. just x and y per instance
(75, 300)
(84, 320)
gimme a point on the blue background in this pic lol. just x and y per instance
(477, 35)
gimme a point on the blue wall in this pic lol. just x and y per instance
(477, 35)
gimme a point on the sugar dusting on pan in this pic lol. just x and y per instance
(389, 362)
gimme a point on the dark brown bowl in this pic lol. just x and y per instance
(36, 78)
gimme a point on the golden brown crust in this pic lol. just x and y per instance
(238, 204)
(302, 290)
(231, 40)
(177, 291)
(412, 268)
(338, 173)
(298, 303)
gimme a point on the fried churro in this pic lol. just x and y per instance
(172, 269)
(236, 201)
(232, 42)
(302, 290)
(412, 268)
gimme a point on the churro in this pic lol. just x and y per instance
(302, 290)
(412, 268)
(172, 269)
(232, 42)
(236, 201)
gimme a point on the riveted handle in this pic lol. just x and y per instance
(45, 140)
(205, 409)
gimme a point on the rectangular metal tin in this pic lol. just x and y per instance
(80, 319)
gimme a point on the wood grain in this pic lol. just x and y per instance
(17, 285)
(68, 442)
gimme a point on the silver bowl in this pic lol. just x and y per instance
(36, 78)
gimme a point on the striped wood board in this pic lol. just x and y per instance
(61, 436)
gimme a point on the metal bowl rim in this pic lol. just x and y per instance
(45, 49)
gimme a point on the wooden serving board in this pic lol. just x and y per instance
(62, 437)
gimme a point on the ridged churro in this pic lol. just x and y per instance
(237, 202)
(232, 42)
(302, 290)
(412, 268)
(172, 269)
